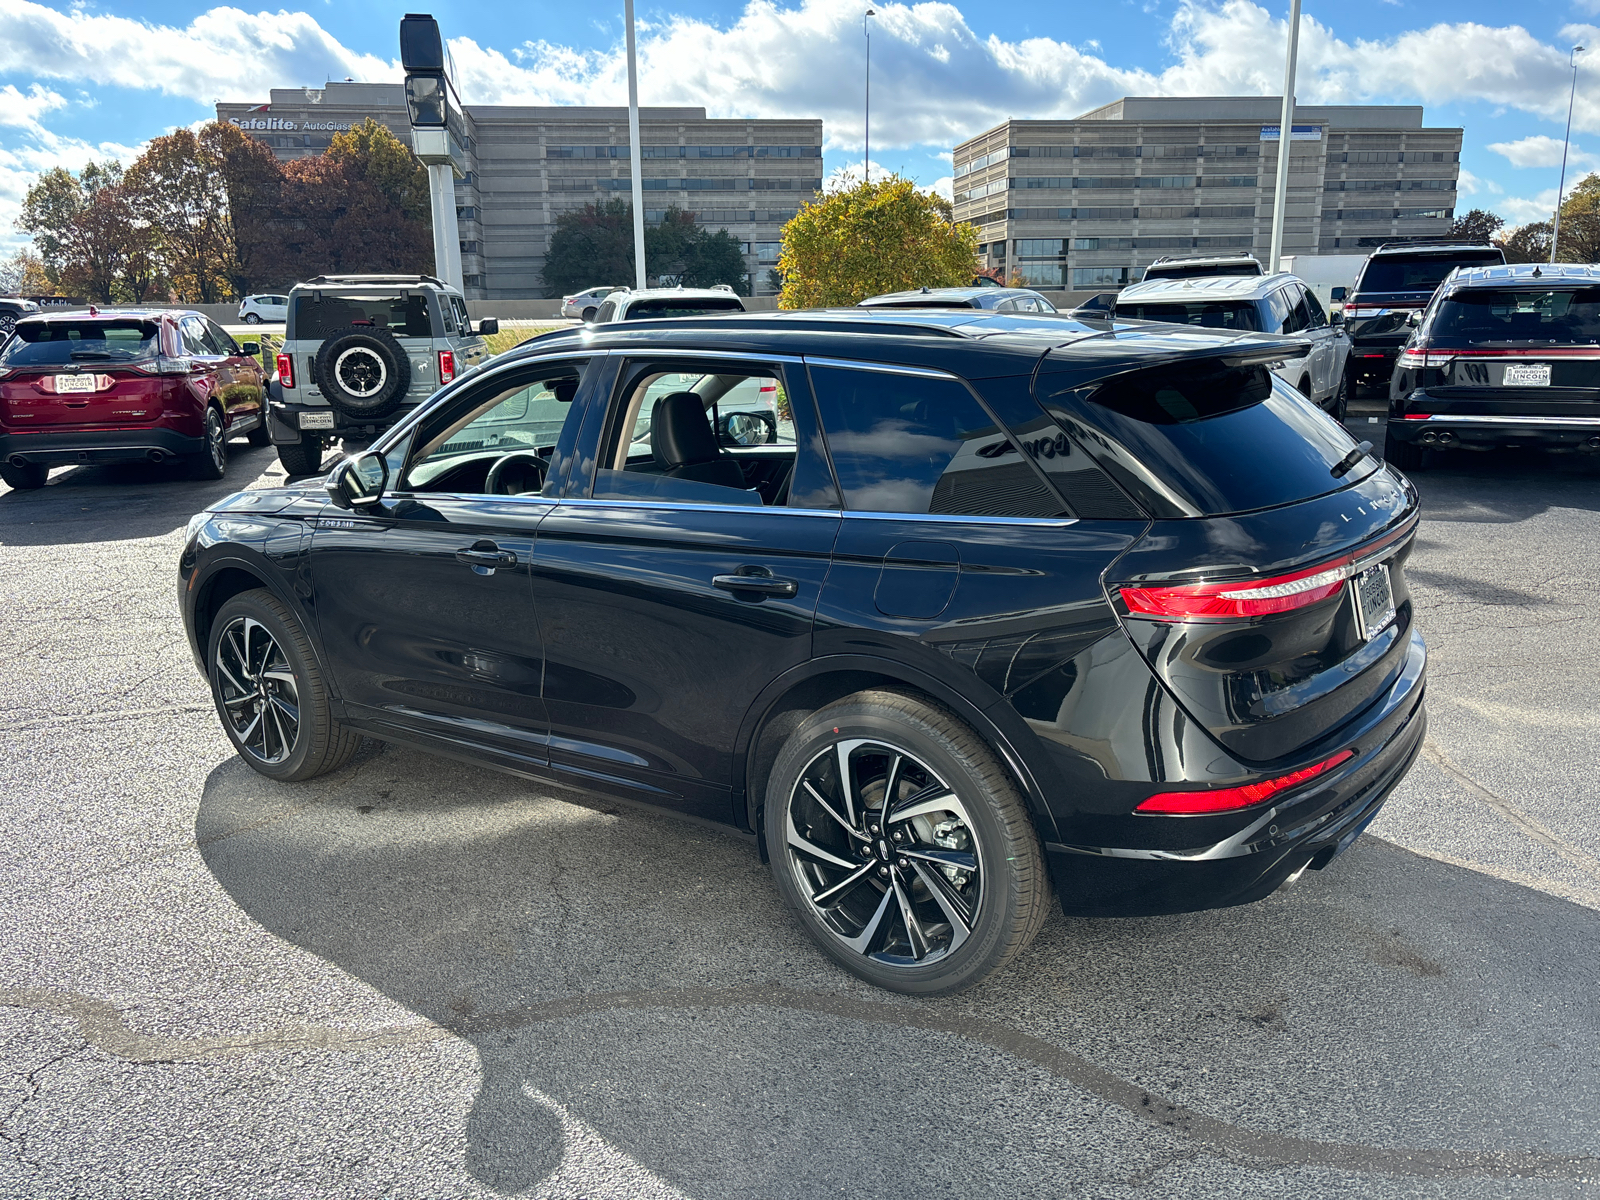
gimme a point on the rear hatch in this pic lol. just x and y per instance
(1269, 593)
(1393, 286)
(1520, 351)
(77, 374)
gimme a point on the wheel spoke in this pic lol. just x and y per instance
(828, 808)
(891, 781)
(283, 742)
(961, 860)
(847, 782)
(282, 675)
(244, 734)
(828, 895)
(860, 943)
(292, 712)
(238, 653)
(915, 935)
(815, 851)
(934, 798)
(955, 908)
(223, 667)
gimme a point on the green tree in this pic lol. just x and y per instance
(1527, 243)
(179, 184)
(591, 246)
(329, 223)
(370, 154)
(692, 254)
(253, 183)
(23, 274)
(886, 236)
(79, 225)
(1479, 225)
(1579, 238)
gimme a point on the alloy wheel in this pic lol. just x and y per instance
(885, 853)
(260, 696)
(360, 372)
(216, 442)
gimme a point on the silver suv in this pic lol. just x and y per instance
(359, 352)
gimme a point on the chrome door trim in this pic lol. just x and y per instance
(642, 353)
(689, 506)
(885, 368)
(963, 519)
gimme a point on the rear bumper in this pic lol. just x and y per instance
(1487, 431)
(283, 420)
(1310, 828)
(154, 444)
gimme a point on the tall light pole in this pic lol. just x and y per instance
(1280, 193)
(866, 149)
(1555, 232)
(428, 106)
(635, 156)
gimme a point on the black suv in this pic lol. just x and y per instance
(1395, 282)
(1503, 356)
(998, 603)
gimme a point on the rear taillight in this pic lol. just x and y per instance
(1357, 311)
(1215, 800)
(285, 371)
(1420, 356)
(447, 366)
(169, 366)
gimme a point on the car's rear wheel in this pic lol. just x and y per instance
(1405, 455)
(26, 477)
(212, 461)
(269, 691)
(251, 319)
(902, 844)
(588, 314)
(260, 435)
(301, 458)
(1340, 406)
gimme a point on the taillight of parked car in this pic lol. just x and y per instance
(285, 371)
(447, 366)
(169, 366)
(1215, 800)
(1417, 356)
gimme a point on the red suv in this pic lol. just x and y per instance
(131, 385)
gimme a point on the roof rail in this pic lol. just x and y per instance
(1439, 241)
(1166, 258)
(337, 279)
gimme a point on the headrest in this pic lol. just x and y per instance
(680, 431)
(565, 389)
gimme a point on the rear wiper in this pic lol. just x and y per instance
(1343, 467)
(92, 354)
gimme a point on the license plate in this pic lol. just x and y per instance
(311, 420)
(1374, 601)
(1531, 375)
(67, 384)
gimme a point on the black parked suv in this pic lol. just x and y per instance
(1503, 356)
(1395, 282)
(1015, 607)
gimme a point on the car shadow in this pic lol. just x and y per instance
(640, 975)
(123, 501)
(1505, 486)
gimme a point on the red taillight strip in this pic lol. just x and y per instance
(1237, 598)
(1227, 799)
(1423, 356)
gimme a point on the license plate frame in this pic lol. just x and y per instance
(1372, 597)
(316, 420)
(76, 385)
(1526, 375)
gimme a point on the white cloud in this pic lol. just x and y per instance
(1519, 210)
(23, 109)
(20, 167)
(1543, 151)
(944, 186)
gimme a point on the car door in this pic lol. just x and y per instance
(1332, 342)
(1312, 324)
(212, 374)
(241, 382)
(666, 602)
(423, 601)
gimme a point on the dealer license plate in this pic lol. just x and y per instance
(1528, 375)
(311, 420)
(1374, 601)
(67, 384)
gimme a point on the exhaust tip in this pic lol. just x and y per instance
(155, 456)
(1429, 438)
(1593, 443)
(16, 460)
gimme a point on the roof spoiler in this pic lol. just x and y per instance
(1093, 360)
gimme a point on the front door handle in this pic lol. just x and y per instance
(756, 580)
(488, 555)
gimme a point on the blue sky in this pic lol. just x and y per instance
(91, 79)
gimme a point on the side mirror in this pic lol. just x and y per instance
(250, 349)
(359, 481)
(489, 325)
(1337, 318)
(1337, 295)
(1414, 318)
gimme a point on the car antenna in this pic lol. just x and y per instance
(925, 289)
(1537, 274)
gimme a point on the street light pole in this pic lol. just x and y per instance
(1555, 231)
(1280, 193)
(635, 156)
(866, 148)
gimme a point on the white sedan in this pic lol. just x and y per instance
(583, 305)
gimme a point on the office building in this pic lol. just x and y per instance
(525, 166)
(1087, 204)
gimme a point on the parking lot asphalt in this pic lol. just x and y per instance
(418, 979)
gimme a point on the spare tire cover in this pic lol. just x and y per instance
(363, 372)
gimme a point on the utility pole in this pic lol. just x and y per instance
(1555, 230)
(636, 155)
(866, 152)
(1280, 193)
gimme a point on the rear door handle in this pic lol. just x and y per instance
(483, 556)
(758, 580)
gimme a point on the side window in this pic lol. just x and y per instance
(521, 416)
(195, 338)
(1279, 312)
(220, 339)
(1319, 316)
(608, 312)
(915, 444)
(1006, 306)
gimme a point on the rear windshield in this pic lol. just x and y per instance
(1202, 439)
(60, 343)
(1417, 274)
(921, 302)
(318, 315)
(1201, 270)
(1482, 315)
(1207, 315)
(671, 306)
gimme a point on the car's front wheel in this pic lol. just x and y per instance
(902, 844)
(251, 319)
(589, 314)
(270, 693)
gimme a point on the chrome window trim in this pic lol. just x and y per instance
(689, 506)
(885, 368)
(468, 498)
(640, 353)
(963, 518)
(1498, 419)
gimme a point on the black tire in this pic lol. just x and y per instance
(1340, 407)
(270, 693)
(212, 462)
(303, 457)
(588, 314)
(260, 435)
(8, 324)
(929, 935)
(1404, 455)
(363, 373)
(26, 478)
(251, 319)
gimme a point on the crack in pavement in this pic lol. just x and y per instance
(35, 1088)
(101, 1024)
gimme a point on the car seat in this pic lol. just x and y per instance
(684, 444)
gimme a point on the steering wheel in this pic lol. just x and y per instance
(519, 472)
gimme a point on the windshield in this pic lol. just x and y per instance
(1418, 274)
(527, 419)
(688, 306)
(1480, 315)
(1205, 314)
(62, 343)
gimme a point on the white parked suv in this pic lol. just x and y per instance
(582, 306)
(657, 303)
(264, 310)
